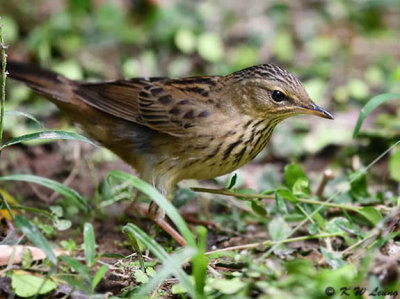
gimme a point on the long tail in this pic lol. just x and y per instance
(42, 81)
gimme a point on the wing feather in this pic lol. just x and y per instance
(173, 107)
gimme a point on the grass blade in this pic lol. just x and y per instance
(24, 114)
(78, 267)
(370, 106)
(98, 276)
(200, 262)
(169, 209)
(46, 135)
(56, 186)
(35, 236)
(89, 244)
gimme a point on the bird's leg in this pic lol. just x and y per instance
(157, 214)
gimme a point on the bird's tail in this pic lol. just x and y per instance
(42, 81)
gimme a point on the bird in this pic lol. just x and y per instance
(171, 129)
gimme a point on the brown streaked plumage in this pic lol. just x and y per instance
(175, 129)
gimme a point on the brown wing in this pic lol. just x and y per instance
(170, 106)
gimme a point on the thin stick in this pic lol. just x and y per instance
(3, 82)
(270, 243)
(252, 196)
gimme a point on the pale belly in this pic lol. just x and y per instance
(206, 157)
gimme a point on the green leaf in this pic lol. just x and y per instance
(200, 262)
(62, 224)
(278, 229)
(46, 135)
(372, 214)
(333, 258)
(320, 220)
(56, 186)
(26, 285)
(258, 207)
(141, 277)
(358, 186)
(302, 186)
(288, 195)
(178, 289)
(394, 166)
(35, 236)
(370, 106)
(160, 200)
(232, 182)
(89, 244)
(98, 276)
(292, 173)
(226, 286)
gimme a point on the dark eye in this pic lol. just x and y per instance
(278, 96)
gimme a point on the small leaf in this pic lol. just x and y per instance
(320, 220)
(35, 236)
(178, 289)
(333, 258)
(98, 276)
(292, 173)
(141, 277)
(370, 106)
(62, 224)
(372, 214)
(358, 186)
(227, 286)
(57, 211)
(232, 182)
(89, 244)
(278, 229)
(288, 195)
(258, 207)
(26, 285)
(302, 186)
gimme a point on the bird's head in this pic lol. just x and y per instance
(267, 90)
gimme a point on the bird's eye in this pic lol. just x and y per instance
(278, 96)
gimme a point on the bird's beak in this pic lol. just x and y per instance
(316, 110)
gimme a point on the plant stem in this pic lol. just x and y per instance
(33, 210)
(252, 196)
(3, 83)
(270, 243)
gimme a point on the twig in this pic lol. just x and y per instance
(270, 243)
(3, 82)
(327, 176)
(259, 196)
